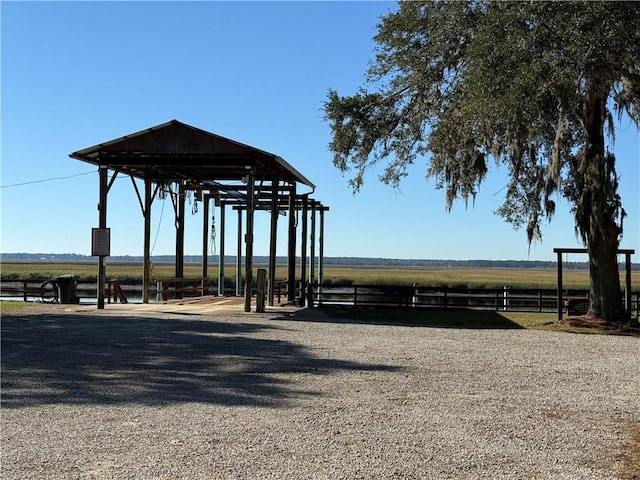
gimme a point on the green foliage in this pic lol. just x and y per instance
(527, 84)
(469, 81)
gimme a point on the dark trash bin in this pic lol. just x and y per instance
(67, 288)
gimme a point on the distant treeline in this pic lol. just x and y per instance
(344, 261)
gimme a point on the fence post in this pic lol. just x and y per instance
(414, 296)
(505, 306)
(540, 301)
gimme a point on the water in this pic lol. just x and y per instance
(83, 300)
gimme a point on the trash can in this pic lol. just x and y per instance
(67, 288)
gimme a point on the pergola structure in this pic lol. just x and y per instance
(174, 158)
(627, 282)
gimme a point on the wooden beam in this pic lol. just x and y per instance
(146, 254)
(221, 253)
(179, 267)
(239, 257)
(303, 253)
(627, 253)
(205, 235)
(584, 250)
(312, 252)
(248, 267)
(102, 223)
(291, 251)
(273, 237)
(627, 284)
(559, 303)
(321, 257)
(135, 187)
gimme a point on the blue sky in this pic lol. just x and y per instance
(75, 74)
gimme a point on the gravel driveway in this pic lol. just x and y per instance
(105, 395)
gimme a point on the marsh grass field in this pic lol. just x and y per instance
(131, 273)
(452, 277)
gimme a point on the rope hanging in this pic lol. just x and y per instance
(212, 241)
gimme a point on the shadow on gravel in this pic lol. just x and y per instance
(412, 317)
(59, 359)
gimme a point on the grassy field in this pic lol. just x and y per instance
(129, 273)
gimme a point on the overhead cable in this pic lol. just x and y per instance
(47, 180)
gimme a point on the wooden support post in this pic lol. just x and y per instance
(102, 223)
(221, 254)
(179, 270)
(239, 256)
(559, 295)
(303, 251)
(540, 301)
(248, 281)
(627, 284)
(146, 255)
(321, 257)
(205, 238)
(291, 252)
(273, 242)
(312, 252)
(627, 253)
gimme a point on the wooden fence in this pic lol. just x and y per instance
(45, 289)
(506, 299)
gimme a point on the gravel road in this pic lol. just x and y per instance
(92, 394)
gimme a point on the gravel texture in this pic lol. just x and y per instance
(92, 394)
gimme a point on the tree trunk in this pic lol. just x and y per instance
(599, 205)
(605, 299)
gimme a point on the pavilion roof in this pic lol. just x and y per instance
(175, 151)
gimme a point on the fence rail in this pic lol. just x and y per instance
(179, 287)
(507, 299)
(31, 289)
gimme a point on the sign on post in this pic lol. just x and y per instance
(100, 242)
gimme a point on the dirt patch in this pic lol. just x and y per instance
(598, 324)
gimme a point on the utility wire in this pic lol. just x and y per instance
(46, 180)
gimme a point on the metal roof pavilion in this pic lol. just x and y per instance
(174, 158)
(176, 151)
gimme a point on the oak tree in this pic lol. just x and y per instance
(532, 86)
